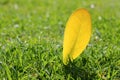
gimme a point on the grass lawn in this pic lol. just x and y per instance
(31, 38)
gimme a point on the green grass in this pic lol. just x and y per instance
(31, 36)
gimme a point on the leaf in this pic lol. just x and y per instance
(77, 35)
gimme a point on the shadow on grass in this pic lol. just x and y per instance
(76, 72)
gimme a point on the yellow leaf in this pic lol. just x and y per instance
(77, 35)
